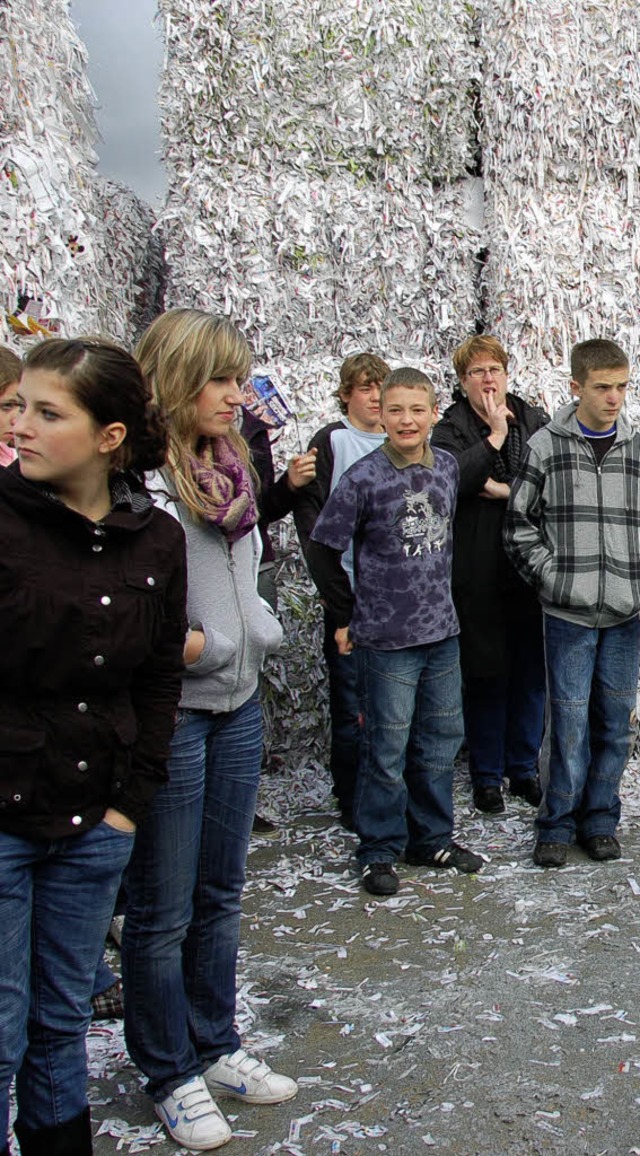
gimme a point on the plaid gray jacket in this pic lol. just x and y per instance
(573, 527)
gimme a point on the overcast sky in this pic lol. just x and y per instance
(125, 59)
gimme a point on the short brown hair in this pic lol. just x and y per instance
(10, 368)
(359, 369)
(598, 353)
(472, 346)
(412, 379)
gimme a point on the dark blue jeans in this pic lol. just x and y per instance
(184, 883)
(344, 711)
(412, 733)
(593, 680)
(56, 901)
(504, 717)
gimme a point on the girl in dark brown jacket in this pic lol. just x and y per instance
(92, 620)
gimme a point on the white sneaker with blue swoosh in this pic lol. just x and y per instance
(246, 1078)
(192, 1117)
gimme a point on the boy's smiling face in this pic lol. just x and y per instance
(407, 416)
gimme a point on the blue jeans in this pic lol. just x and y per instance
(182, 927)
(504, 716)
(344, 711)
(593, 679)
(56, 901)
(412, 733)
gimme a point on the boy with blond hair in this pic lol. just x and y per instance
(397, 506)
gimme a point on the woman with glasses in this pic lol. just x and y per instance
(501, 650)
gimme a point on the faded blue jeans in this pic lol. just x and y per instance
(413, 730)
(184, 883)
(56, 901)
(593, 679)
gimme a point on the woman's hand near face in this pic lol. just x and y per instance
(497, 418)
(193, 646)
(301, 470)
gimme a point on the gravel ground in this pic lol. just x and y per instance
(490, 1015)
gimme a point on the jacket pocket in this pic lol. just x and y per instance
(20, 757)
(273, 633)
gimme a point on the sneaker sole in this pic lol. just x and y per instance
(218, 1091)
(189, 1144)
(445, 866)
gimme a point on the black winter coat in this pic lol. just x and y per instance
(92, 623)
(490, 597)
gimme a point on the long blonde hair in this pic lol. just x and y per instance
(179, 353)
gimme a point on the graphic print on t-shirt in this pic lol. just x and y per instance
(422, 528)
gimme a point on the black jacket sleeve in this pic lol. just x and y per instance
(475, 461)
(314, 496)
(331, 579)
(277, 501)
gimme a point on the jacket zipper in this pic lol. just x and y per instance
(231, 564)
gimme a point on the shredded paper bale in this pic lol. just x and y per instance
(76, 251)
(561, 146)
(317, 158)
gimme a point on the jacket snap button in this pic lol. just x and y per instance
(96, 549)
(99, 660)
(105, 600)
(17, 798)
(76, 820)
(151, 581)
(82, 766)
(82, 707)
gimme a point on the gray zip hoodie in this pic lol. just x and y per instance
(573, 526)
(222, 600)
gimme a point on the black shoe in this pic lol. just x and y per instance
(550, 854)
(72, 1138)
(601, 847)
(528, 789)
(488, 799)
(450, 856)
(380, 878)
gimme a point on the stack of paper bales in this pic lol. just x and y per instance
(317, 157)
(561, 148)
(134, 270)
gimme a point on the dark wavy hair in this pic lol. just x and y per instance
(109, 384)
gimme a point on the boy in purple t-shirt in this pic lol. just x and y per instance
(397, 506)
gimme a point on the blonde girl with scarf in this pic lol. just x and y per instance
(187, 872)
